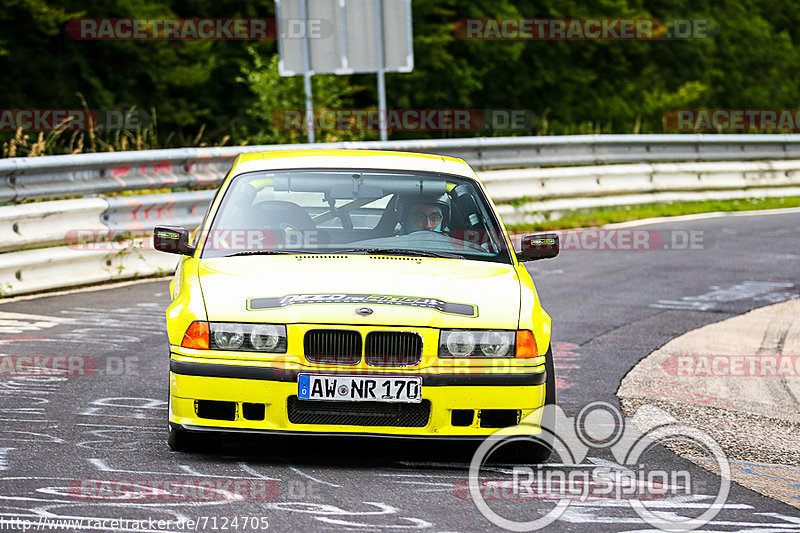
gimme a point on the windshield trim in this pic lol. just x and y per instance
(504, 256)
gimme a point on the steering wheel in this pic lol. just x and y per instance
(283, 218)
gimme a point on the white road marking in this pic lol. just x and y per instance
(28, 436)
(11, 323)
(703, 216)
(431, 483)
(250, 470)
(128, 428)
(416, 523)
(312, 478)
(101, 465)
(768, 290)
(4, 452)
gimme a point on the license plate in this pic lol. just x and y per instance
(359, 388)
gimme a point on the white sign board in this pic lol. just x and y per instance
(344, 36)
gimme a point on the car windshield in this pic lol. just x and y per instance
(356, 212)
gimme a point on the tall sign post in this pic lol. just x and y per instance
(344, 37)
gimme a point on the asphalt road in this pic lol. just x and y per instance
(83, 447)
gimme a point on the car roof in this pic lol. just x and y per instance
(367, 159)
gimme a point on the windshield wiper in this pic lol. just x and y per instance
(398, 251)
(276, 251)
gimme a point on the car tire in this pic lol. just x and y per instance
(178, 439)
(537, 449)
(543, 445)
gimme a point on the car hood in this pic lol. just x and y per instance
(329, 289)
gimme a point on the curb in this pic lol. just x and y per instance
(739, 380)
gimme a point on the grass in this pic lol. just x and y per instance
(600, 216)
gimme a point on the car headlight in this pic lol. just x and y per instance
(497, 343)
(266, 337)
(227, 336)
(476, 343)
(457, 343)
(248, 337)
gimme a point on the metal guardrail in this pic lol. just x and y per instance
(84, 174)
(30, 271)
(524, 195)
(45, 242)
(45, 223)
(140, 214)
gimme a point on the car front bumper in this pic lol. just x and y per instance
(208, 395)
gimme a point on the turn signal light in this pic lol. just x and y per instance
(526, 345)
(196, 336)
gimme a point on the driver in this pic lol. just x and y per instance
(426, 214)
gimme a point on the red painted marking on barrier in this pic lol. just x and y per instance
(135, 223)
(167, 208)
(200, 177)
(165, 169)
(118, 172)
(200, 202)
(191, 172)
(143, 171)
(147, 211)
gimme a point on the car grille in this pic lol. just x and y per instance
(390, 348)
(333, 346)
(412, 415)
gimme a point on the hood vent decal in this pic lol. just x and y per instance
(450, 308)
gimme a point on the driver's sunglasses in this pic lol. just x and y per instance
(435, 218)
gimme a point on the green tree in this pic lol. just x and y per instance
(280, 101)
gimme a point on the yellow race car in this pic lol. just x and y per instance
(354, 292)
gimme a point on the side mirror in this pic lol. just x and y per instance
(539, 246)
(172, 239)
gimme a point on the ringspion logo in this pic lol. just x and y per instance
(635, 477)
